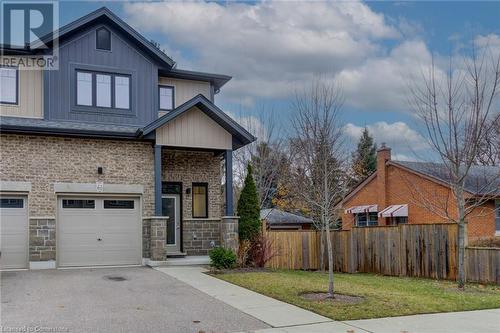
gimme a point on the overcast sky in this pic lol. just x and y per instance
(271, 48)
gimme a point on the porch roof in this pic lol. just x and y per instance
(241, 136)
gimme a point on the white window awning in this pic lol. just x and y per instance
(362, 209)
(394, 211)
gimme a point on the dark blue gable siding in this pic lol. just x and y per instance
(80, 53)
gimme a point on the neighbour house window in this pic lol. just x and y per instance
(8, 85)
(102, 90)
(166, 94)
(366, 219)
(71, 203)
(200, 200)
(400, 220)
(11, 203)
(103, 39)
(118, 204)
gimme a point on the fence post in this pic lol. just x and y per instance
(352, 253)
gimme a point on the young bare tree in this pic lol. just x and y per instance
(318, 153)
(456, 108)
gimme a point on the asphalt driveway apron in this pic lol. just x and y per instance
(134, 299)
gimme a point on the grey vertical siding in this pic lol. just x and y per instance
(125, 57)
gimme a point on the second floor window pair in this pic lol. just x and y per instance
(102, 90)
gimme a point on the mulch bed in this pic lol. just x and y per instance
(339, 298)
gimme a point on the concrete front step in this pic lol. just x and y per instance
(188, 261)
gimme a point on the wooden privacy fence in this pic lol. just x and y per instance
(418, 250)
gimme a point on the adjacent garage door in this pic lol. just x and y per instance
(14, 232)
(98, 231)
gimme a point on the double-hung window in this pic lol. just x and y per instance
(122, 92)
(102, 90)
(9, 85)
(166, 94)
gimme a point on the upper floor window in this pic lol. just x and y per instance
(8, 85)
(84, 88)
(122, 92)
(166, 94)
(103, 39)
(102, 90)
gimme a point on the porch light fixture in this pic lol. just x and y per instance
(99, 170)
(188, 190)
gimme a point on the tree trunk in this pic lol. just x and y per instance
(322, 249)
(330, 261)
(462, 236)
(462, 239)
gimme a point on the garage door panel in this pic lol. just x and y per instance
(14, 234)
(80, 257)
(118, 229)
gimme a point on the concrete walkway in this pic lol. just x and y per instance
(482, 321)
(287, 318)
(269, 310)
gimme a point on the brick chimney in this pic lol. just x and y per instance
(383, 155)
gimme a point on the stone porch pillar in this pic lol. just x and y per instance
(229, 233)
(158, 250)
(228, 157)
(158, 208)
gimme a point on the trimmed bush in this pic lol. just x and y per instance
(222, 258)
(249, 209)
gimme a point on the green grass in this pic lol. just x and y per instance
(383, 296)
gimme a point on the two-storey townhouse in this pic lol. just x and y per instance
(116, 158)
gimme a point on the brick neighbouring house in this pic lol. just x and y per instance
(417, 192)
(116, 157)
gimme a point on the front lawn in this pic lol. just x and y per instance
(383, 296)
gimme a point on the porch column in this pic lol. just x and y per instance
(158, 210)
(229, 182)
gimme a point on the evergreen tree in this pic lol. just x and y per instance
(365, 157)
(249, 208)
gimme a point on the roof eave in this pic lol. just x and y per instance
(104, 12)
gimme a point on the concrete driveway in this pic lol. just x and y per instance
(114, 300)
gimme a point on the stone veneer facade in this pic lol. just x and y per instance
(45, 160)
(188, 167)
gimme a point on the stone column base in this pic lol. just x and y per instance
(42, 239)
(229, 233)
(158, 228)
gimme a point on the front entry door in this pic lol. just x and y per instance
(171, 208)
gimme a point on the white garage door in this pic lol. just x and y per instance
(98, 231)
(14, 232)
